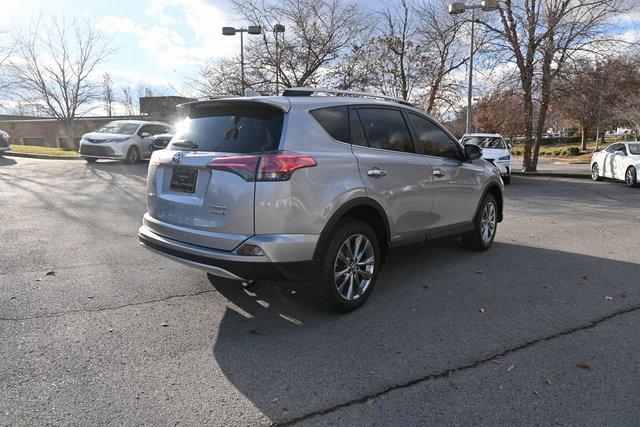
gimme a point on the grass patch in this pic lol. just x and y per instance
(49, 151)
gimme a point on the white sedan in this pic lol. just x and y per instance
(494, 150)
(619, 161)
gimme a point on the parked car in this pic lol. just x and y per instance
(494, 150)
(619, 161)
(159, 142)
(126, 140)
(4, 142)
(313, 188)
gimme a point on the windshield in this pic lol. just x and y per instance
(634, 149)
(484, 141)
(118, 128)
(230, 130)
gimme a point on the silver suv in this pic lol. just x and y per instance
(313, 188)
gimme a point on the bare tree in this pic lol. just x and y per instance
(53, 64)
(129, 101)
(318, 32)
(107, 93)
(541, 37)
(499, 111)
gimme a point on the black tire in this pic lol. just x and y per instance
(631, 177)
(506, 179)
(595, 172)
(474, 239)
(325, 288)
(133, 156)
(90, 160)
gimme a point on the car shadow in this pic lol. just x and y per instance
(435, 308)
(6, 161)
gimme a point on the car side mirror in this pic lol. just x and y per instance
(472, 151)
(509, 146)
(145, 134)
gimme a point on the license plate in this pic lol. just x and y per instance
(184, 180)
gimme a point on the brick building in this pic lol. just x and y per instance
(49, 132)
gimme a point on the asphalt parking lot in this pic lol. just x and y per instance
(543, 328)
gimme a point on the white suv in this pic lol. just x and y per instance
(494, 150)
(127, 140)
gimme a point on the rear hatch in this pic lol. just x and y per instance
(201, 189)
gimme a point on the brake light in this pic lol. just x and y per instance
(279, 166)
(245, 166)
(274, 166)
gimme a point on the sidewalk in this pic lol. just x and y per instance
(554, 168)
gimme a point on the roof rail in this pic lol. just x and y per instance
(308, 91)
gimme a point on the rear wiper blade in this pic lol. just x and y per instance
(185, 143)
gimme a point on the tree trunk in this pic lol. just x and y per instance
(527, 165)
(583, 141)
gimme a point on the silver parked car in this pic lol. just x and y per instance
(128, 140)
(313, 188)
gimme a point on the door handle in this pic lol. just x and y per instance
(439, 173)
(376, 172)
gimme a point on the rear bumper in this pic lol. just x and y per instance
(230, 265)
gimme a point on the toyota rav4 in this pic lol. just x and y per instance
(316, 189)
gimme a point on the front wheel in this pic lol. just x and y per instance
(485, 224)
(349, 269)
(631, 177)
(506, 179)
(595, 173)
(132, 156)
(90, 160)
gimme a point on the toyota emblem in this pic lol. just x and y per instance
(177, 158)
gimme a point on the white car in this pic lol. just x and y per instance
(494, 150)
(619, 161)
(127, 140)
(4, 142)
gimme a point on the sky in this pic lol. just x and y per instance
(159, 43)
(162, 43)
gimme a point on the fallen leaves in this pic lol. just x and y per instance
(511, 368)
(583, 365)
(50, 273)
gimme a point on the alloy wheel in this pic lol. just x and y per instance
(353, 267)
(630, 178)
(594, 172)
(488, 223)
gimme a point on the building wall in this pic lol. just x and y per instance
(53, 133)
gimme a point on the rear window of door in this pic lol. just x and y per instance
(239, 129)
(386, 129)
(433, 140)
(334, 120)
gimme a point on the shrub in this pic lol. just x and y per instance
(574, 151)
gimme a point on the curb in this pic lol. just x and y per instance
(554, 174)
(39, 156)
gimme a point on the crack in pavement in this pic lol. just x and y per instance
(448, 372)
(92, 310)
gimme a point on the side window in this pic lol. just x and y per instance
(357, 133)
(432, 139)
(335, 121)
(614, 148)
(386, 129)
(146, 128)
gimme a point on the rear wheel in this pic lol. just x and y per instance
(631, 177)
(132, 155)
(485, 225)
(595, 172)
(350, 266)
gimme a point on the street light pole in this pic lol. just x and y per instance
(278, 28)
(470, 88)
(231, 31)
(458, 8)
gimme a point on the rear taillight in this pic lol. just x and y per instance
(275, 166)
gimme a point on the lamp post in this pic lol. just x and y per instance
(278, 28)
(231, 31)
(457, 8)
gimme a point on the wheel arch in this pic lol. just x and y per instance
(364, 209)
(495, 190)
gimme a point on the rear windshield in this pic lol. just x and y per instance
(230, 130)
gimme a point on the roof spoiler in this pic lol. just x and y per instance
(308, 91)
(276, 103)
